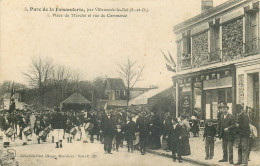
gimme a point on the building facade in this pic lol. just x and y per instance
(218, 59)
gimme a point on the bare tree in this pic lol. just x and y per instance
(39, 74)
(61, 76)
(76, 77)
(131, 74)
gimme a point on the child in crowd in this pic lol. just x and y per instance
(68, 127)
(118, 136)
(209, 135)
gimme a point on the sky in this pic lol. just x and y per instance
(93, 46)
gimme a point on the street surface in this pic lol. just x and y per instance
(78, 153)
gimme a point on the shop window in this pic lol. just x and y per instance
(213, 98)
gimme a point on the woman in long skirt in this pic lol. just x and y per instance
(184, 141)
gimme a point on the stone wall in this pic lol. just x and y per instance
(232, 40)
(200, 56)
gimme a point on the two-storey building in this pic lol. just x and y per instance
(218, 58)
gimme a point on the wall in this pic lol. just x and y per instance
(200, 56)
(232, 40)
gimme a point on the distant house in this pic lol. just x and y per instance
(115, 89)
(134, 92)
(115, 92)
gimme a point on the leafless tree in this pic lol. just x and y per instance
(131, 74)
(61, 77)
(39, 74)
(76, 77)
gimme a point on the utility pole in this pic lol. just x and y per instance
(92, 98)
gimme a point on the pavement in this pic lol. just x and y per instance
(197, 156)
(79, 154)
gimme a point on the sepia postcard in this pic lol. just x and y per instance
(129, 82)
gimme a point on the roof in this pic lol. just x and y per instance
(116, 83)
(143, 98)
(122, 103)
(76, 98)
(8, 95)
(142, 89)
(207, 13)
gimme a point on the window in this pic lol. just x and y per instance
(214, 41)
(186, 52)
(251, 44)
(186, 44)
(118, 93)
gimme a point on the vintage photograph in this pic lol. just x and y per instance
(129, 82)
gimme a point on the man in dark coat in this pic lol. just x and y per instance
(142, 126)
(108, 129)
(93, 120)
(167, 124)
(155, 129)
(58, 125)
(174, 137)
(243, 135)
(129, 133)
(226, 132)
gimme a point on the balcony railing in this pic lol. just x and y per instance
(252, 46)
(214, 56)
(186, 61)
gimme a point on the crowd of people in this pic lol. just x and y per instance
(140, 129)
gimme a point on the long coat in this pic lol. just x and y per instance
(167, 124)
(155, 129)
(58, 121)
(173, 138)
(243, 125)
(142, 125)
(184, 141)
(108, 126)
(129, 130)
(228, 122)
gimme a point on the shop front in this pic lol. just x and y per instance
(200, 93)
(248, 73)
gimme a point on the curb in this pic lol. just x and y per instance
(184, 158)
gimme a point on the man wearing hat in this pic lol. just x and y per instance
(143, 129)
(129, 132)
(58, 125)
(226, 132)
(243, 135)
(108, 129)
(167, 124)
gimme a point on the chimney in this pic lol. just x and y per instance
(206, 5)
